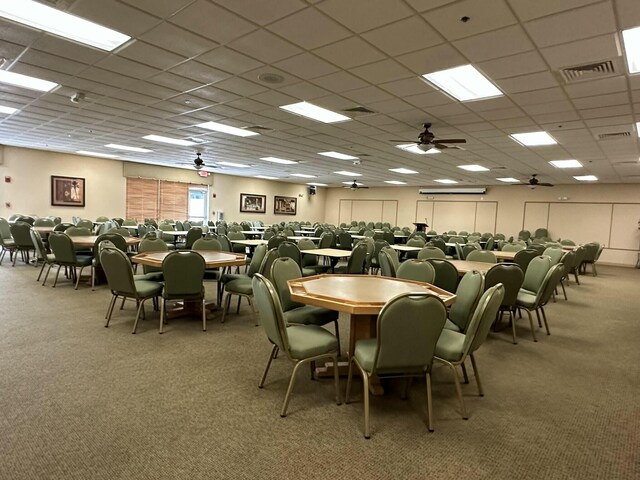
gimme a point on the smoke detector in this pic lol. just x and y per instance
(77, 97)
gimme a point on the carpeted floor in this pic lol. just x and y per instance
(79, 401)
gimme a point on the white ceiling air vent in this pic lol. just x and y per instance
(590, 71)
(612, 132)
(613, 135)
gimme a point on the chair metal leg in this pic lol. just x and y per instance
(456, 379)
(2, 255)
(533, 332)
(464, 373)
(347, 393)
(365, 397)
(138, 311)
(575, 274)
(46, 275)
(162, 313)
(122, 305)
(564, 292)
(538, 317)
(204, 315)
(110, 310)
(55, 282)
(272, 355)
(544, 317)
(429, 404)
(594, 272)
(93, 278)
(78, 277)
(512, 318)
(476, 374)
(337, 330)
(336, 379)
(227, 304)
(292, 380)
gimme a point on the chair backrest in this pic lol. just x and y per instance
(511, 276)
(554, 253)
(430, 252)
(456, 239)
(512, 247)
(482, 256)
(388, 237)
(78, 231)
(393, 256)
(43, 222)
(541, 233)
(524, 235)
(62, 247)
(386, 264)
(535, 273)
(483, 317)
(377, 246)
(446, 274)
(21, 236)
(358, 259)
(468, 293)
(183, 273)
(566, 241)
(345, 240)
(85, 224)
(282, 270)
(598, 253)
(569, 261)
(440, 243)
(419, 270)
(120, 231)
(275, 241)
(256, 260)
(524, 257)
(590, 254)
(291, 250)
(203, 244)
(452, 232)
(38, 244)
(467, 249)
(225, 243)
(270, 311)
(408, 329)
(118, 271)
(555, 273)
(490, 243)
(5, 230)
(194, 233)
(416, 242)
(118, 241)
(326, 239)
(267, 261)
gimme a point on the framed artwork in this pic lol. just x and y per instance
(252, 203)
(285, 205)
(67, 191)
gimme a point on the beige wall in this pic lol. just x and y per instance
(30, 189)
(607, 213)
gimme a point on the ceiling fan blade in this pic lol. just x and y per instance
(450, 140)
(440, 146)
(543, 184)
(401, 141)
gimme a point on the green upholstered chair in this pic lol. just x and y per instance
(530, 293)
(374, 261)
(43, 222)
(553, 278)
(183, 273)
(344, 241)
(415, 242)
(430, 251)
(117, 240)
(22, 240)
(62, 247)
(78, 231)
(152, 245)
(48, 259)
(418, 270)
(468, 294)
(511, 276)
(124, 232)
(524, 235)
(102, 219)
(490, 244)
(453, 348)
(407, 330)
(567, 242)
(499, 236)
(290, 250)
(85, 224)
(283, 270)
(467, 249)
(387, 268)
(541, 233)
(206, 244)
(357, 261)
(235, 247)
(122, 283)
(581, 251)
(393, 256)
(193, 234)
(440, 243)
(267, 262)
(512, 247)
(240, 283)
(301, 344)
(457, 239)
(446, 274)
(7, 244)
(327, 239)
(485, 256)
(524, 257)
(555, 254)
(569, 260)
(591, 255)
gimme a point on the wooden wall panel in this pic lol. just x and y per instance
(594, 226)
(390, 212)
(536, 215)
(454, 216)
(367, 210)
(486, 215)
(424, 210)
(624, 227)
(344, 215)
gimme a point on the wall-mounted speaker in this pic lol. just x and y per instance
(312, 189)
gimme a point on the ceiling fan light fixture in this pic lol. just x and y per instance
(414, 148)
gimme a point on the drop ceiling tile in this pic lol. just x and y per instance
(558, 117)
(628, 13)
(605, 112)
(390, 106)
(296, 28)
(626, 121)
(581, 52)
(306, 66)
(527, 10)
(265, 46)
(432, 59)
(538, 96)
(406, 87)
(484, 16)
(240, 86)
(514, 65)
(150, 55)
(115, 15)
(596, 87)
(273, 98)
(577, 24)
(262, 13)
(304, 91)
(199, 72)
(549, 107)
(117, 64)
(495, 44)
(211, 21)
(621, 98)
(340, 82)
(363, 15)
(175, 82)
(52, 62)
(159, 8)
(404, 36)
(177, 40)
(42, 73)
(228, 60)
(534, 81)
(382, 72)
(349, 53)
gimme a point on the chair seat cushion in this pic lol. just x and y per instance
(9, 243)
(240, 285)
(147, 288)
(449, 325)
(449, 346)
(308, 272)
(229, 277)
(151, 276)
(365, 352)
(83, 260)
(310, 315)
(526, 298)
(307, 341)
(50, 258)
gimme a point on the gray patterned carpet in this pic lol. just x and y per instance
(79, 401)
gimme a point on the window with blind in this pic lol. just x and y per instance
(157, 199)
(174, 200)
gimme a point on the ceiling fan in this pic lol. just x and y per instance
(198, 163)
(355, 186)
(534, 182)
(427, 140)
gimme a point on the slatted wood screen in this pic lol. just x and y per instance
(142, 198)
(174, 200)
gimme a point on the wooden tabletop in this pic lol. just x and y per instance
(43, 230)
(406, 248)
(249, 242)
(90, 240)
(300, 237)
(212, 258)
(329, 252)
(505, 255)
(357, 294)
(465, 266)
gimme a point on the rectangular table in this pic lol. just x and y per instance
(405, 248)
(90, 240)
(465, 266)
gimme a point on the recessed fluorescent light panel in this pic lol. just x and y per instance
(631, 40)
(231, 164)
(348, 174)
(586, 178)
(62, 24)
(115, 146)
(7, 110)
(445, 180)
(266, 177)
(463, 83)
(96, 154)
(533, 139)
(404, 171)
(302, 175)
(315, 112)
(219, 127)
(508, 180)
(281, 161)
(638, 128)
(338, 155)
(395, 182)
(317, 184)
(413, 148)
(566, 163)
(25, 81)
(473, 168)
(172, 141)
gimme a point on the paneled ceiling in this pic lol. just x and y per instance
(191, 61)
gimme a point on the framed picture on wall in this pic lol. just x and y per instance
(252, 203)
(285, 205)
(67, 191)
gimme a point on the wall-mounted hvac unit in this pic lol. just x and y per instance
(452, 190)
